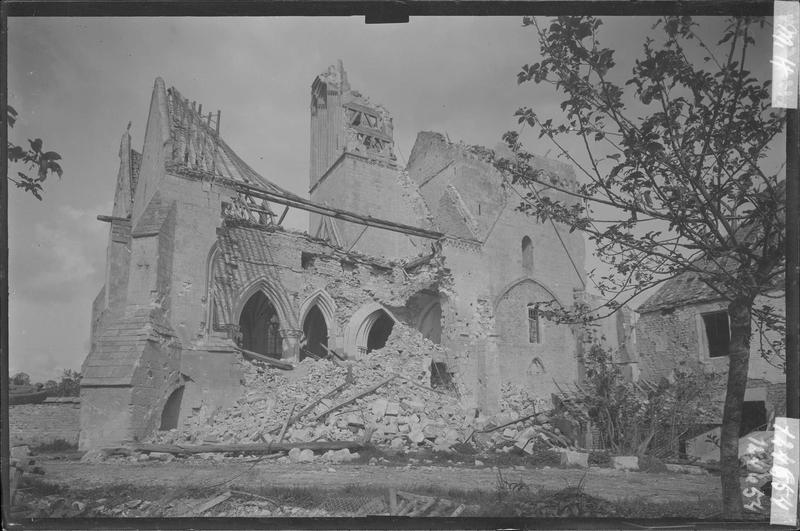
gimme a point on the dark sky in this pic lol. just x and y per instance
(77, 83)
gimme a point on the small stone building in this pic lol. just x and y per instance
(199, 266)
(685, 326)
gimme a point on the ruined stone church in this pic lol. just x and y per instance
(199, 268)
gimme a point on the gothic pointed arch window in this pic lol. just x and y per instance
(259, 326)
(527, 255)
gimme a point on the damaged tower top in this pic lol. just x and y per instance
(344, 121)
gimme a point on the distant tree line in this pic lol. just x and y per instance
(69, 384)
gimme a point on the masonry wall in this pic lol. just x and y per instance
(675, 339)
(362, 186)
(35, 424)
(295, 272)
(485, 325)
(198, 214)
(157, 147)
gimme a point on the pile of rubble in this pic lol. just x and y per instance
(385, 395)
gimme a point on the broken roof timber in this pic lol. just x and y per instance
(310, 206)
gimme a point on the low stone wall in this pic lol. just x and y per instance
(35, 424)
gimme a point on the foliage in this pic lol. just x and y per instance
(684, 182)
(20, 378)
(34, 158)
(674, 176)
(634, 418)
(68, 385)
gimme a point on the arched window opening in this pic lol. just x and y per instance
(431, 323)
(527, 255)
(172, 410)
(379, 332)
(316, 334)
(259, 327)
(534, 325)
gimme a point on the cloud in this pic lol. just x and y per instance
(59, 258)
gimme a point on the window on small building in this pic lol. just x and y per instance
(527, 255)
(718, 333)
(534, 332)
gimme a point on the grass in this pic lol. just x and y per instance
(507, 499)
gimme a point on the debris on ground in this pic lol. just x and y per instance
(387, 391)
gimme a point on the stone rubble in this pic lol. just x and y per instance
(404, 414)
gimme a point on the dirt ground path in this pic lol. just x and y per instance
(604, 483)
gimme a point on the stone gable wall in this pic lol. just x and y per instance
(366, 188)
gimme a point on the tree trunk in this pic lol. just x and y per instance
(739, 355)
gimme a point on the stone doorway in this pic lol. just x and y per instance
(172, 410)
(259, 327)
(316, 333)
(380, 331)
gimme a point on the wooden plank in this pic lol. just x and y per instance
(304, 204)
(458, 511)
(208, 504)
(331, 351)
(266, 359)
(393, 501)
(354, 398)
(415, 497)
(421, 510)
(245, 448)
(348, 380)
(286, 424)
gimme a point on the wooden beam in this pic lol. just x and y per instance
(266, 359)
(249, 448)
(354, 398)
(109, 219)
(310, 206)
(283, 214)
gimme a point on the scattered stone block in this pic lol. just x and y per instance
(294, 454)
(433, 431)
(397, 443)
(526, 445)
(414, 404)
(452, 434)
(306, 456)
(625, 462)
(416, 436)
(573, 458)
(379, 408)
(393, 409)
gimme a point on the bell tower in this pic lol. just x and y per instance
(344, 121)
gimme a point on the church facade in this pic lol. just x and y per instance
(200, 269)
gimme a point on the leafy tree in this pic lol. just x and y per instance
(672, 175)
(21, 378)
(69, 384)
(34, 159)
